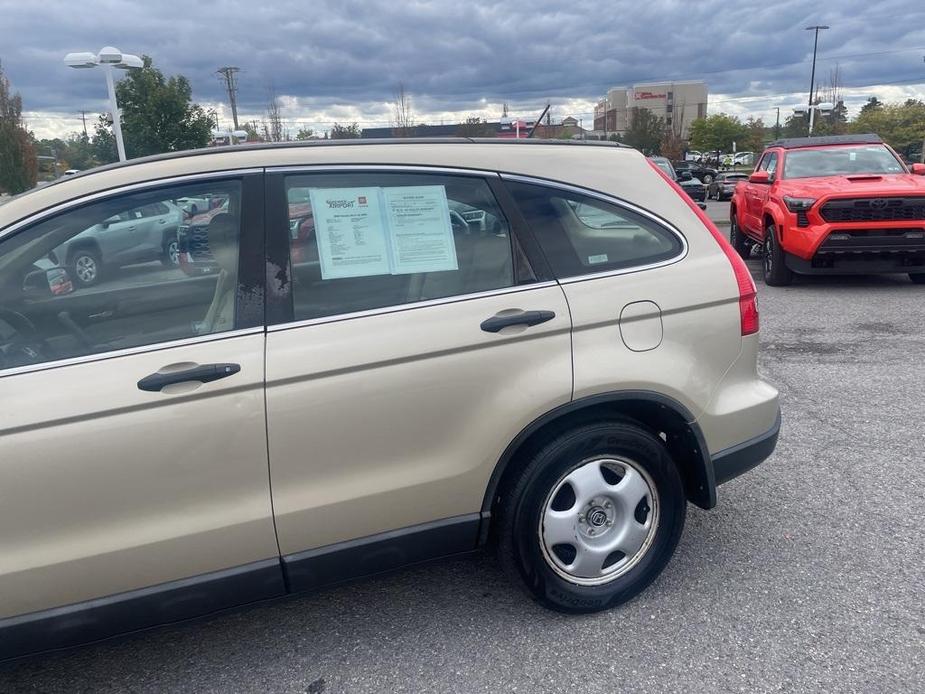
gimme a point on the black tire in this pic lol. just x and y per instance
(85, 266)
(737, 239)
(708, 178)
(521, 550)
(171, 254)
(776, 273)
(917, 277)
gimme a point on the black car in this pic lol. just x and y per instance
(724, 185)
(692, 186)
(697, 170)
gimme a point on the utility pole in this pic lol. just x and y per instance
(812, 79)
(83, 117)
(777, 125)
(228, 75)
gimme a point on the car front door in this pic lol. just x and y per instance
(416, 343)
(753, 192)
(134, 459)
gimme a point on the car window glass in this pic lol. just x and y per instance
(581, 235)
(772, 164)
(124, 272)
(360, 241)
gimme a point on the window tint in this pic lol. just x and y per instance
(128, 271)
(360, 241)
(582, 235)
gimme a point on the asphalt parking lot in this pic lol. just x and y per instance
(808, 576)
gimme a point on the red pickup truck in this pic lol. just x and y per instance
(843, 204)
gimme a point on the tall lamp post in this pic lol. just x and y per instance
(108, 59)
(812, 79)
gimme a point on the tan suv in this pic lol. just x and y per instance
(371, 355)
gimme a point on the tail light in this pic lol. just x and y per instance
(748, 295)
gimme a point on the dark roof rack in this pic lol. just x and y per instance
(797, 142)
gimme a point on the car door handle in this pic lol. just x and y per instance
(497, 323)
(204, 374)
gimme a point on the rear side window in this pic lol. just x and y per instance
(361, 241)
(582, 235)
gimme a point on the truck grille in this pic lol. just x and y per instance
(874, 210)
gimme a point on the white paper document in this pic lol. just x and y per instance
(420, 232)
(350, 234)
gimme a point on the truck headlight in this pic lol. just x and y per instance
(798, 204)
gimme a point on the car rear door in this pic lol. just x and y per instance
(134, 460)
(408, 346)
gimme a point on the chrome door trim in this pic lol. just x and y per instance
(109, 192)
(398, 308)
(617, 202)
(114, 354)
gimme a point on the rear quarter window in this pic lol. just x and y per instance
(582, 235)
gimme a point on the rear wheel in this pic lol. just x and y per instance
(741, 244)
(917, 277)
(593, 518)
(171, 254)
(708, 178)
(776, 273)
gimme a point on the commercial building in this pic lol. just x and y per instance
(678, 103)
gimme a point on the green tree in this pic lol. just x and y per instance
(18, 163)
(474, 126)
(305, 134)
(717, 133)
(873, 104)
(158, 114)
(345, 132)
(645, 131)
(755, 135)
(901, 125)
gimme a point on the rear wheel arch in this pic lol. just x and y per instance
(657, 413)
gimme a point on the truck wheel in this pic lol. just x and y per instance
(593, 518)
(741, 244)
(776, 273)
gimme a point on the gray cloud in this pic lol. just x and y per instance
(347, 57)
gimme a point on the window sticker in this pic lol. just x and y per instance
(378, 231)
(420, 232)
(596, 259)
(349, 229)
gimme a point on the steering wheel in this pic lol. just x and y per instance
(27, 346)
(458, 222)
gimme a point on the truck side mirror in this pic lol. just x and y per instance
(760, 177)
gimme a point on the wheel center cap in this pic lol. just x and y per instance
(597, 517)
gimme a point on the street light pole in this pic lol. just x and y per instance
(116, 116)
(812, 79)
(108, 59)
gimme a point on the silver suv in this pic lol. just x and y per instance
(426, 346)
(142, 235)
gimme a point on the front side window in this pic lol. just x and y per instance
(772, 164)
(839, 161)
(583, 235)
(361, 241)
(128, 271)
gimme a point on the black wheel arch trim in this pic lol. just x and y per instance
(704, 497)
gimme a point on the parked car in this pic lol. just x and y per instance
(693, 155)
(693, 187)
(422, 382)
(141, 235)
(843, 204)
(703, 173)
(743, 159)
(724, 185)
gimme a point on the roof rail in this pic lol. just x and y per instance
(797, 142)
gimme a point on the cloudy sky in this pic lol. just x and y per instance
(341, 61)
